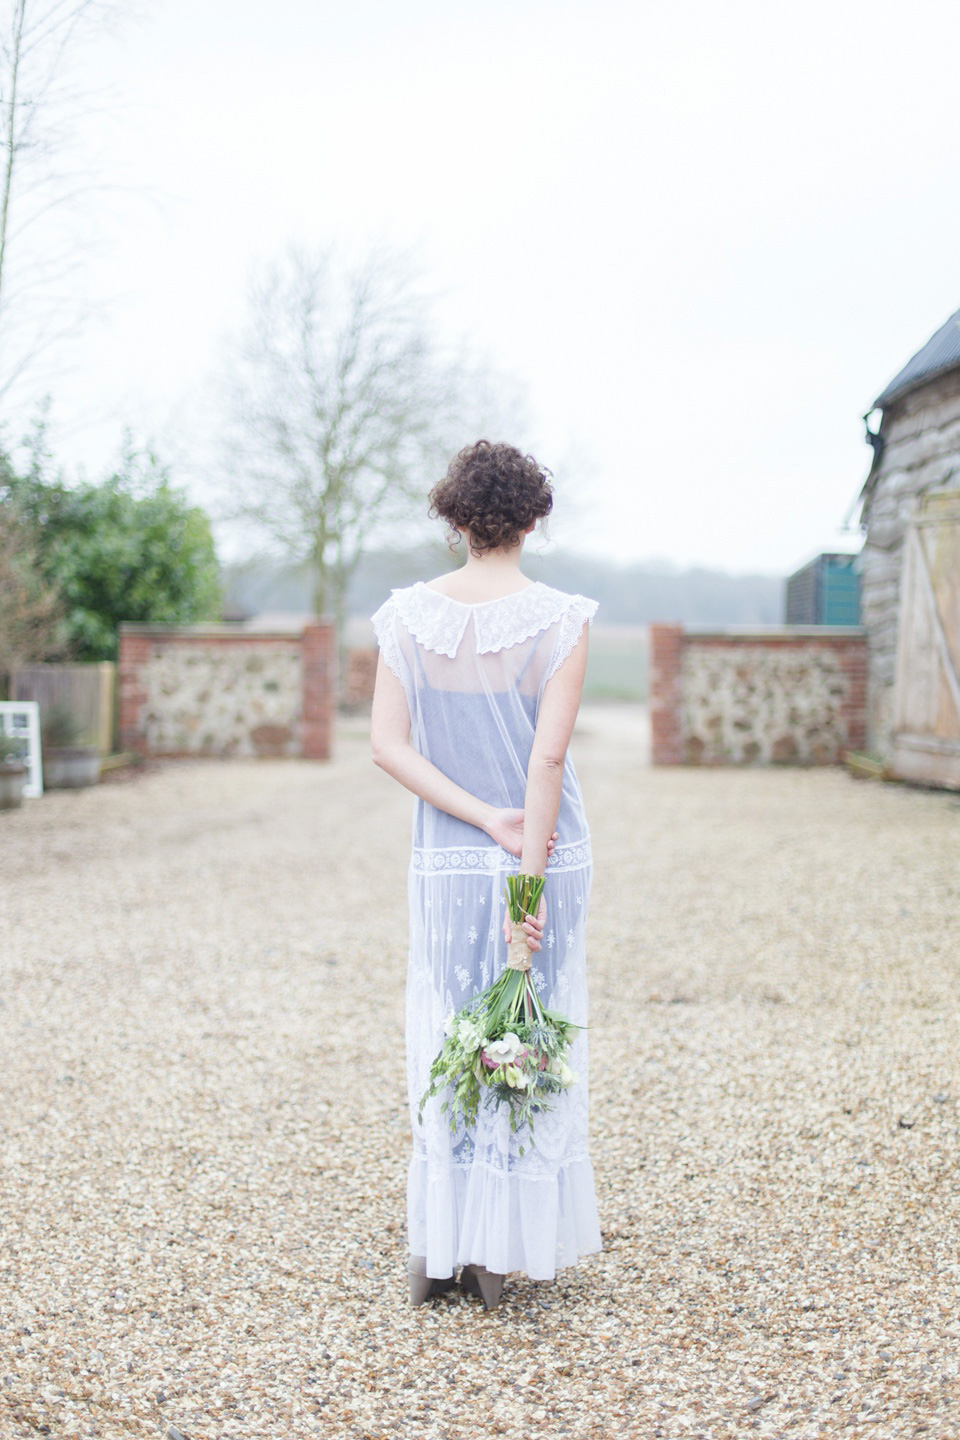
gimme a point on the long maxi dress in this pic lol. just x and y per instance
(474, 676)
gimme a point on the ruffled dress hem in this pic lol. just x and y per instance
(477, 1215)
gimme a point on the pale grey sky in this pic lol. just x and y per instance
(703, 236)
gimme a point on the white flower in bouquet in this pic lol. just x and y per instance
(505, 1050)
(559, 1067)
(469, 1036)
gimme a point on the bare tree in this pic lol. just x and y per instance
(31, 613)
(343, 410)
(42, 175)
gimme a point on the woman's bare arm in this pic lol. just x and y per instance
(392, 751)
(555, 720)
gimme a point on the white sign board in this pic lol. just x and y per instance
(21, 718)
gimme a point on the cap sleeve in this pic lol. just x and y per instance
(385, 625)
(578, 613)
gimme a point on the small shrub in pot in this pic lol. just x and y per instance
(13, 771)
(67, 765)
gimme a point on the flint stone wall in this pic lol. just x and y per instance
(791, 696)
(222, 690)
(359, 679)
(921, 451)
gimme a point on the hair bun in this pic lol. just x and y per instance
(494, 492)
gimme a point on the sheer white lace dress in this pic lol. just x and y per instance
(473, 677)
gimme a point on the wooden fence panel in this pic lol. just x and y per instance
(87, 691)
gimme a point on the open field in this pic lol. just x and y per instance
(204, 1130)
(618, 664)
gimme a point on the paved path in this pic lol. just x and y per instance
(204, 1134)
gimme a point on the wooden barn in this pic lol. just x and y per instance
(910, 565)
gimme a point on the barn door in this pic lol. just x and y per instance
(926, 742)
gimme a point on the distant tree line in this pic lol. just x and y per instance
(629, 593)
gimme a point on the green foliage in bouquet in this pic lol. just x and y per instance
(503, 1046)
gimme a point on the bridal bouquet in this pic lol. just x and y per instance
(503, 1046)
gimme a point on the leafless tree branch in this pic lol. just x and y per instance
(41, 105)
(342, 410)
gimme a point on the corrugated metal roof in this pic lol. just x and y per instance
(941, 353)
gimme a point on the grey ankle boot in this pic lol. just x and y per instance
(423, 1286)
(477, 1280)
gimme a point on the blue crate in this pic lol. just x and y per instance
(825, 592)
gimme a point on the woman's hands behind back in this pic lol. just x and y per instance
(506, 828)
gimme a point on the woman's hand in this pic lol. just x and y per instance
(506, 828)
(532, 928)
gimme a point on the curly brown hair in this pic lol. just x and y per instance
(495, 493)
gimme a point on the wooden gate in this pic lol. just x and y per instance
(926, 740)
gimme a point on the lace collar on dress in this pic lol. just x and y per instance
(437, 622)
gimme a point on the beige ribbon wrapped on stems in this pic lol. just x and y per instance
(518, 951)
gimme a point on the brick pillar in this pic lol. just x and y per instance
(134, 651)
(666, 651)
(318, 652)
(361, 673)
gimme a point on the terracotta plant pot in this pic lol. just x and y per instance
(12, 777)
(70, 768)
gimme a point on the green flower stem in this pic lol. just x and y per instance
(523, 896)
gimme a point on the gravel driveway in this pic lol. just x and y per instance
(204, 1131)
